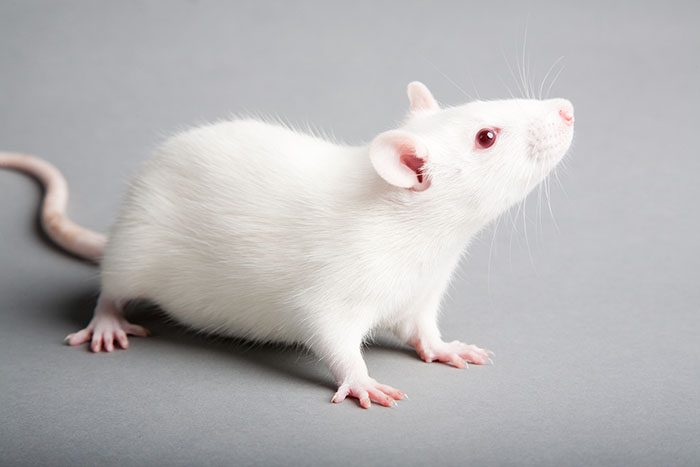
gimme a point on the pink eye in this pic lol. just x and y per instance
(485, 138)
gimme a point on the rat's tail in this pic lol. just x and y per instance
(70, 236)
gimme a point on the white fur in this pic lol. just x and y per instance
(249, 229)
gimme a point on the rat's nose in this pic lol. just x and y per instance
(566, 111)
(566, 115)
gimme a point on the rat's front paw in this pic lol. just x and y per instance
(457, 353)
(105, 330)
(367, 390)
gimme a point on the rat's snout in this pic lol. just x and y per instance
(566, 110)
(551, 134)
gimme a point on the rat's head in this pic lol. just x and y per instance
(484, 154)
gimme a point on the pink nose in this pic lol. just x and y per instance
(567, 113)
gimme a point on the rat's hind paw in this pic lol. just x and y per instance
(104, 331)
(367, 390)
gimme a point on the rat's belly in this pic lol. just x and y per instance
(229, 315)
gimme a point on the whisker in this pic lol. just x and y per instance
(527, 239)
(538, 217)
(556, 177)
(512, 73)
(549, 203)
(521, 68)
(555, 79)
(513, 230)
(450, 80)
(488, 268)
(547, 74)
(530, 72)
(476, 91)
(529, 67)
(507, 88)
(525, 75)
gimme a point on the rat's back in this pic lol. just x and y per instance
(214, 226)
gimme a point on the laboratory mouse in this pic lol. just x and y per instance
(253, 230)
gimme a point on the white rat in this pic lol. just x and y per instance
(253, 230)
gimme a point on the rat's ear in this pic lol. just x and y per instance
(420, 97)
(399, 157)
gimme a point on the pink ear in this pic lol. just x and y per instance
(420, 97)
(399, 157)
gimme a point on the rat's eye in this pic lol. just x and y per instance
(485, 138)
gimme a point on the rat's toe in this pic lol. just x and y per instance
(79, 337)
(456, 360)
(121, 338)
(341, 394)
(391, 392)
(96, 344)
(108, 340)
(381, 398)
(473, 354)
(365, 401)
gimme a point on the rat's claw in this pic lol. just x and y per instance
(454, 359)
(391, 392)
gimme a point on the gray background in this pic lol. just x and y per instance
(594, 322)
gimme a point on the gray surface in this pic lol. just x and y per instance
(595, 324)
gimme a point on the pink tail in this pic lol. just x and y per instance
(70, 236)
